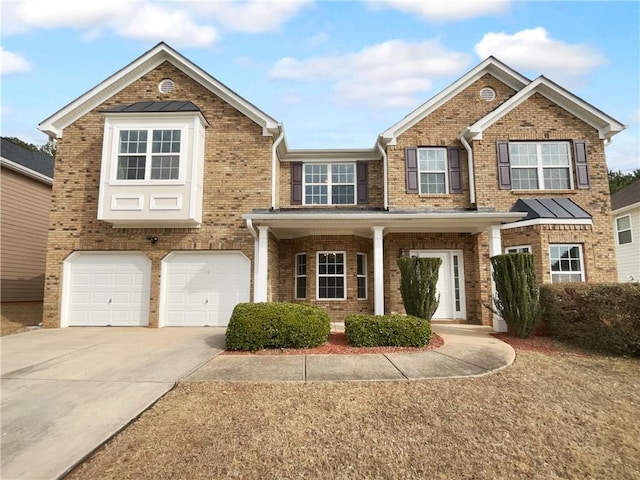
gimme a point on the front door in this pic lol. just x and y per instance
(450, 283)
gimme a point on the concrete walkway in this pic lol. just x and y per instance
(468, 351)
(64, 392)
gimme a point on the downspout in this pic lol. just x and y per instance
(252, 229)
(274, 159)
(384, 175)
(472, 176)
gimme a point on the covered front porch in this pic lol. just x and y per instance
(345, 261)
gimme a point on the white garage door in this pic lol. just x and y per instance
(202, 288)
(107, 289)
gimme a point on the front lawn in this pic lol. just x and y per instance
(549, 415)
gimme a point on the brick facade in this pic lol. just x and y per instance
(237, 181)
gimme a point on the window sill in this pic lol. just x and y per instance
(435, 195)
(544, 192)
(145, 183)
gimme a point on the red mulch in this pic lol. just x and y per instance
(541, 344)
(337, 345)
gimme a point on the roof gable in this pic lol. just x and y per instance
(490, 65)
(55, 124)
(606, 125)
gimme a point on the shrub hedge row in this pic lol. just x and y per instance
(599, 317)
(254, 326)
(387, 330)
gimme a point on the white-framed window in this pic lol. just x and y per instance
(331, 281)
(301, 276)
(623, 228)
(566, 263)
(432, 170)
(361, 275)
(518, 249)
(540, 166)
(329, 184)
(149, 154)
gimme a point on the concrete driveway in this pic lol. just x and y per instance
(65, 391)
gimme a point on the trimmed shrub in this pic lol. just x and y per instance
(418, 278)
(517, 292)
(387, 330)
(603, 318)
(254, 326)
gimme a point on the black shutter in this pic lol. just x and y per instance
(362, 176)
(504, 167)
(411, 163)
(582, 169)
(296, 183)
(455, 171)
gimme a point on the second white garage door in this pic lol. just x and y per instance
(202, 288)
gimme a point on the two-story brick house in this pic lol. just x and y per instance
(175, 199)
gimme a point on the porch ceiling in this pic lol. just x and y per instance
(295, 224)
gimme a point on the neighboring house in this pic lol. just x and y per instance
(175, 199)
(26, 179)
(625, 206)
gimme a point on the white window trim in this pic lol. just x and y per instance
(569, 245)
(618, 231)
(344, 275)
(296, 275)
(329, 183)
(518, 247)
(445, 171)
(540, 167)
(358, 276)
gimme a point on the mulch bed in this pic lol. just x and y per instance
(539, 343)
(338, 345)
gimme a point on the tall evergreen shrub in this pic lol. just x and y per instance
(517, 297)
(418, 278)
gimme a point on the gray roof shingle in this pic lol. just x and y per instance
(37, 161)
(627, 196)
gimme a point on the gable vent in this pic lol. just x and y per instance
(166, 86)
(487, 94)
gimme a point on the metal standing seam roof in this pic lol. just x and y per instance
(144, 107)
(37, 161)
(558, 208)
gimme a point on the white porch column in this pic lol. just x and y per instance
(262, 265)
(495, 248)
(378, 271)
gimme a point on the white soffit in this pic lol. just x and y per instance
(54, 125)
(606, 125)
(491, 65)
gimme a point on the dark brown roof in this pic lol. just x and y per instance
(138, 107)
(627, 196)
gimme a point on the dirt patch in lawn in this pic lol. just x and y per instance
(338, 345)
(16, 317)
(547, 416)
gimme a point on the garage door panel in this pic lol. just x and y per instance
(108, 289)
(203, 288)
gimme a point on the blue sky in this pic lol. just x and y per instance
(335, 73)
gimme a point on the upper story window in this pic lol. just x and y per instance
(149, 154)
(540, 166)
(329, 184)
(432, 165)
(623, 228)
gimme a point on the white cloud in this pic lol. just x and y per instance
(145, 19)
(445, 10)
(388, 74)
(12, 62)
(252, 16)
(624, 151)
(534, 49)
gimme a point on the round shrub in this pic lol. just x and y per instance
(254, 326)
(387, 330)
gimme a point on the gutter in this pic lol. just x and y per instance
(274, 159)
(384, 174)
(472, 175)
